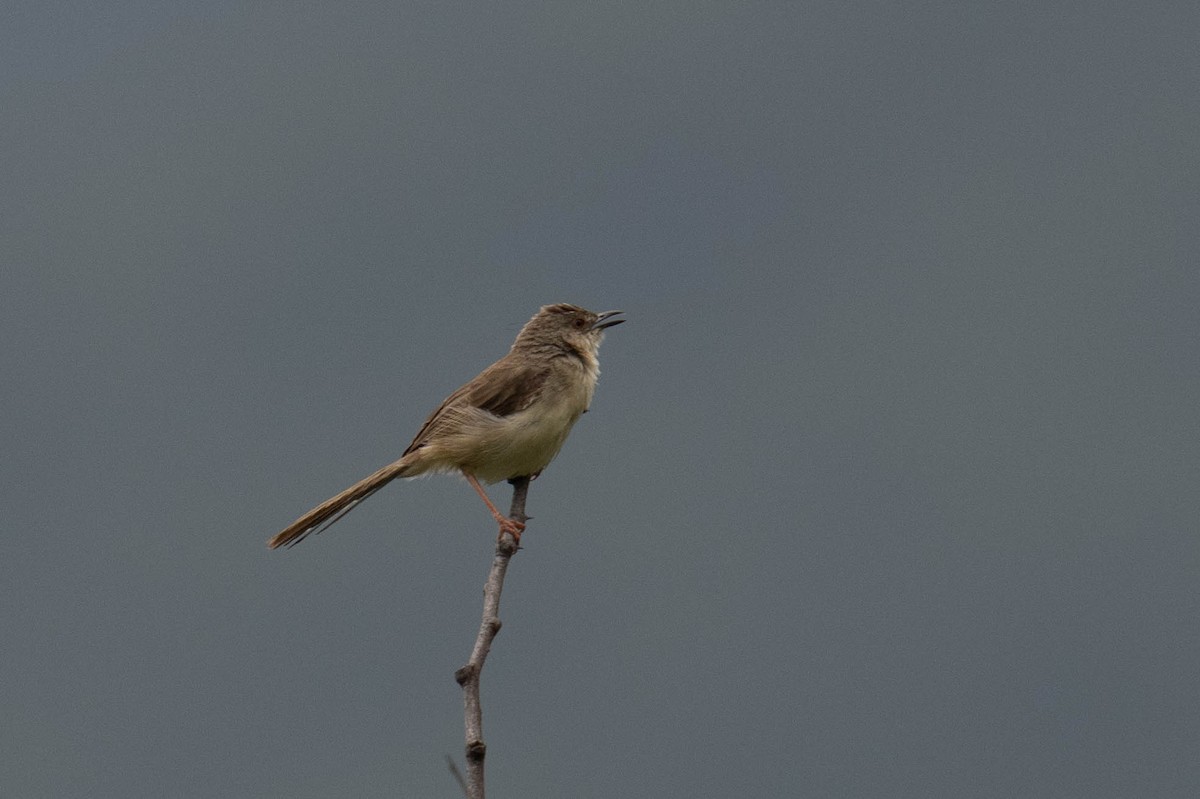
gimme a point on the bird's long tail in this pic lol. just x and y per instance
(338, 506)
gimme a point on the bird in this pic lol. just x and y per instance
(508, 422)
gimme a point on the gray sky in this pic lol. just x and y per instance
(888, 489)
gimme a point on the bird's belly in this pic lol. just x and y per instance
(523, 443)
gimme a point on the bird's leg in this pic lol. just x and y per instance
(507, 525)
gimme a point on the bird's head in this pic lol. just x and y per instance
(566, 325)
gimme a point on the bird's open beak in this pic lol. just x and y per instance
(601, 324)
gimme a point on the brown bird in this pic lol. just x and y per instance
(508, 422)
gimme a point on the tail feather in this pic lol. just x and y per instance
(338, 506)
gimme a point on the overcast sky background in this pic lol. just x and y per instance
(889, 488)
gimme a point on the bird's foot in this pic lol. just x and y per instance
(510, 526)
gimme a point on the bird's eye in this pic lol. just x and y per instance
(580, 322)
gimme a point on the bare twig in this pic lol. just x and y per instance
(458, 777)
(468, 675)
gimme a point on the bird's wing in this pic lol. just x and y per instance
(508, 390)
(501, 390)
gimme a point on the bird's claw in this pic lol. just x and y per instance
(512, 527)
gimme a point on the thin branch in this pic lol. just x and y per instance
(468, 675)
(458, 777)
